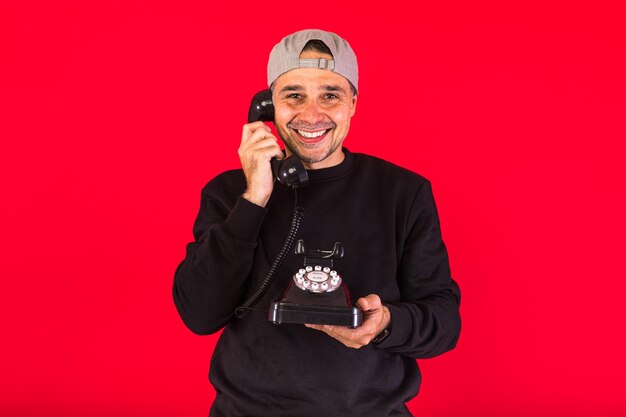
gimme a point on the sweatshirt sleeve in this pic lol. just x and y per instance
(211, 281)
(426, 321)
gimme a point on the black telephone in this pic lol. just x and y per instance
(288, 171)
(316, 294)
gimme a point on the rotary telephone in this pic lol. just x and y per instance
(316, 293)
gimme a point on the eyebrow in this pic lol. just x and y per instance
(294, 87)
(326, 87)
(333, 88)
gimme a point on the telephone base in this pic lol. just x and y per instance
(283, 312)
(304, 307)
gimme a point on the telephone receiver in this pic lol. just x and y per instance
(288, 171)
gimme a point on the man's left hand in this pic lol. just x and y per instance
(376, 318)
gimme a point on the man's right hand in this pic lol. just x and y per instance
(258, 147)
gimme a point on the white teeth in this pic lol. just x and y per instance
(311, 134)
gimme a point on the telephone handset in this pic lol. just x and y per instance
(288, 171)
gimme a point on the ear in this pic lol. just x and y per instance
(353, 109)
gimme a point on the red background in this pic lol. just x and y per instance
(114, 115)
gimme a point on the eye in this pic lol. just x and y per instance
(294, 96)
(331, 96)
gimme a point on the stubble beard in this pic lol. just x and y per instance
(310, 159)
(298, 148)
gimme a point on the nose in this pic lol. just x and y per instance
(311, 112)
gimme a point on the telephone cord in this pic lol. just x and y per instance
(242, 310)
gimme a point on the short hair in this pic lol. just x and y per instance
(317, 46)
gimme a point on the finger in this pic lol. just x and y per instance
(345, 333)
(370, 302)
(334, 331)
(250, 128)
(254, 126)
(363, 303)
(323, 327)
(260, 138)
(269, 152)
(257, 135)
(349, 337)
(259, 142)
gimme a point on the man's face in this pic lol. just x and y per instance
(313, 108)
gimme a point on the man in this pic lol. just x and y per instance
(395, 262)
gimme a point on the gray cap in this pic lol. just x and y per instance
(285, 56)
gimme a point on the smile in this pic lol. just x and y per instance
(311, 135)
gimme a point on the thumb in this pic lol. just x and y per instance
(364, 303)
(370, 302)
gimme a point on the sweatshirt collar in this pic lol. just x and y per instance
(336, 171)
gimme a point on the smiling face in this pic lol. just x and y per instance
(313, 108)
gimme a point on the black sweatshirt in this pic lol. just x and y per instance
(386, 219)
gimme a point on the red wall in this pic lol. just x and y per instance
(115, 115)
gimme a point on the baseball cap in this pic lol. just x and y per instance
(285, 56)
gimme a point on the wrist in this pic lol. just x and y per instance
(256, 198)
(382, 335)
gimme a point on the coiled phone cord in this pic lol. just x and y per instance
(242, 310)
